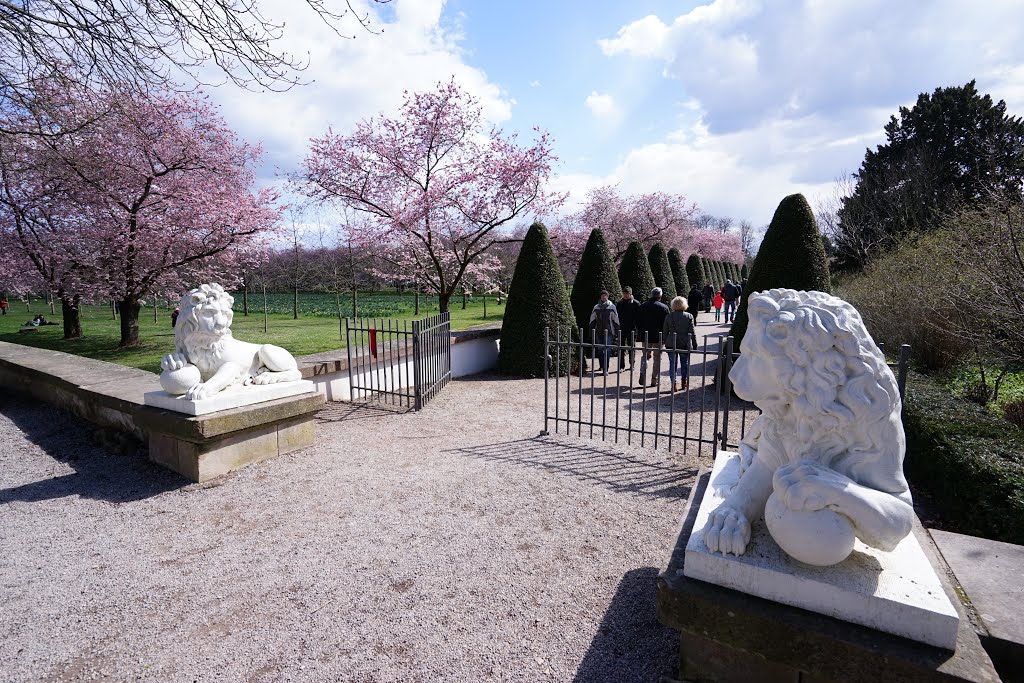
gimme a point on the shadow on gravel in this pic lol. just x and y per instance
(340, 411)
(98, 475)
(630, 645)
(596, 464)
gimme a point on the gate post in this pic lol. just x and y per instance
(417, 366)
(348, 350)
(725, 387)
(547, 366)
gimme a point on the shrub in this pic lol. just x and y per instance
(537, 298)
(596, 272)
(675, 262)
(635, 271)
(904, 298)
(966, 462)
(745, 271)
(695, 271)
(791, 255)
(662, 272)
(1013, 411)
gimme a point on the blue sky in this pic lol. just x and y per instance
(733, 103)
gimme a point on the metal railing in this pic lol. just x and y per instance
(702, 412)
(398, 362)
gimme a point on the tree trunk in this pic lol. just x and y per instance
(264, 309)
(113, 310)
(52, 312)
(129, 310)
(417, 289)
(463, 299)
(443, 300)
(72, 317)
(245, 299)
(295, 303)
(355, 303)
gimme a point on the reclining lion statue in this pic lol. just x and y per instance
(824, 460)
(208, 359)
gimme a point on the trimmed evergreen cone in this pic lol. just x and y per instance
(745, 271)
(791, 255)
(635, 271)
(662, 272)
(694, 271)
(596, 272)
(537, 298)
(675, 262)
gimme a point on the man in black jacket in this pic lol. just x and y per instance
(709, 294)
(629, 312)
(649, 322)
(693, 302)
(730, 293)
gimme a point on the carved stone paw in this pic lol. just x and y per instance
(727, 531)
(173, 361)
(199, 392)
(805, 485)
(264, 378)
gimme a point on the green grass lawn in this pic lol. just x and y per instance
(315, 330)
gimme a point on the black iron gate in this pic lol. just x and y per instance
(398, 362)
(701, 412)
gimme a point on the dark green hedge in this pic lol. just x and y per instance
(695, 271)
(675, 262)
(537, 298)
(635, 271)
(596, 272)
(968, 464)
(657, 257)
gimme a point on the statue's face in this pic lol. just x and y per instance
(759, 375)
(215, 319)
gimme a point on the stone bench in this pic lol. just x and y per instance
(112, 397)
(206, 446)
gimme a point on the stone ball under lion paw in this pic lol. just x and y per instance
(177, 382)
(819, 537)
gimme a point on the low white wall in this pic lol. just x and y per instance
(468, 358)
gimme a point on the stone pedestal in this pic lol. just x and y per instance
(232, 397)
(203, 447)
(727, 635)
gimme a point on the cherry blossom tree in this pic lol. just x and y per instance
(439, 184)
(154, 196)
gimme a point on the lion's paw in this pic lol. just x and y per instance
(727, 531)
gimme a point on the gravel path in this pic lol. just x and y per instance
(447, 545)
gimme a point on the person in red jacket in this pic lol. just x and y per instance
(719, 302)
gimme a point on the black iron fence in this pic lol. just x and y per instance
(398, 362)
(588, 394)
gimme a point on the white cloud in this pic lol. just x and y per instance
(353, 78)
(534, 83)
(604, 108)
(790, 93)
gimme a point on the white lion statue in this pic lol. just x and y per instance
(208, 359)
(824, 460)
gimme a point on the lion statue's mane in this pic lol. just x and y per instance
(839, 403)
(203, 350)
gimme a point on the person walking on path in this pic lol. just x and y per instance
(650, 324)
(174, 316)
(694, 301)
(730, 293)
(680, 335)
(709, 293)
(604, 326)
(3, 304)
(718, 302)
(629, 311)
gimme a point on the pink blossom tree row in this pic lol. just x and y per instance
(137, 195)
(440, 186)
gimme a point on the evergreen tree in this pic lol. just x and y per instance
(662, 272)
(745, 271)
(635, 271)
(596, 272)
(537, 298)
(791, 256)
(695, 271)
(675, 262)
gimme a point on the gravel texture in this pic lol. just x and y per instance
(451, 544)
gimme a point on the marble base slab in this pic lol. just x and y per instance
(896, 592)
(233, 397)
